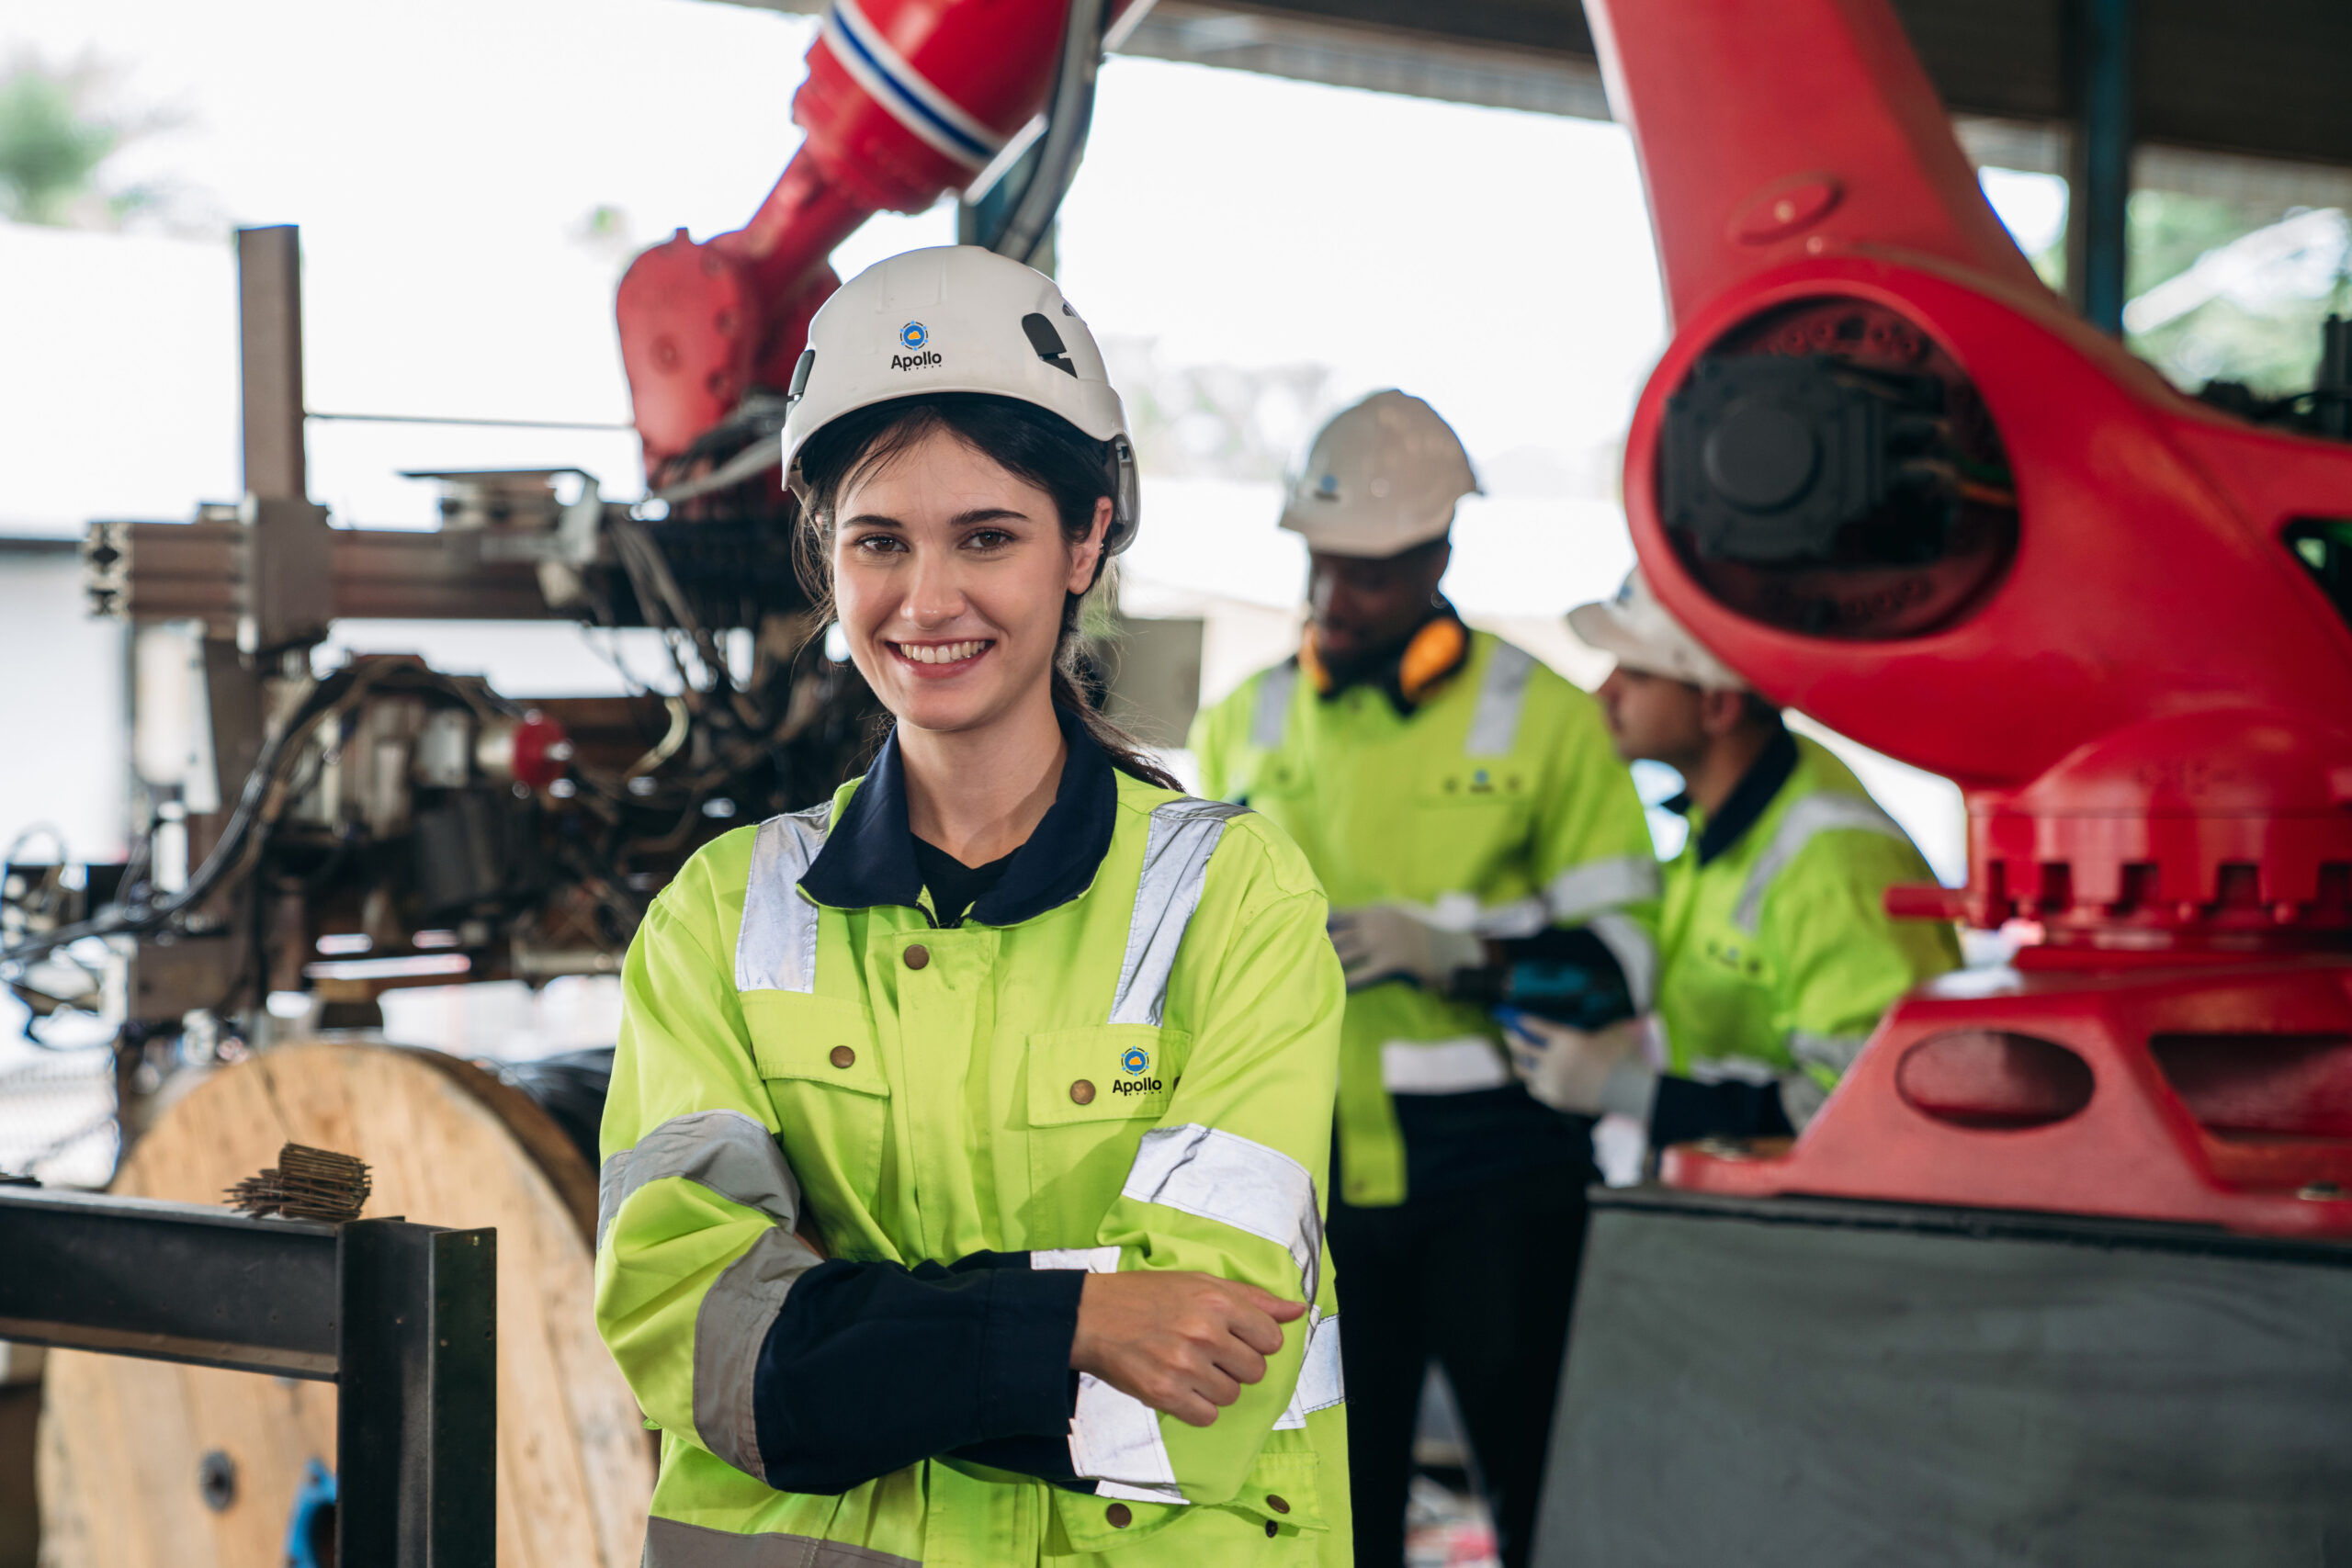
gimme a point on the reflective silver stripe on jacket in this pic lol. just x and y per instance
(730, 1328)
(1114, 1442)
(1270, 718)
(1494, 725)
(1835, 1052)
(1114, 1437)
(1814, 814)
(1087, 1259)
(669, 1544)
(1176, 850)
(776, 947)
(1582, 891)
(734, 1157)
(1635, 953)
(1442, 1066)
(723, 1150)
(1321, 1386)
(1232, 1180)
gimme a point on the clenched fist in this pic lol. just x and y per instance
(1181, 1342)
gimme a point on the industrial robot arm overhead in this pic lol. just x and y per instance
(1887, 475)
(904, 100)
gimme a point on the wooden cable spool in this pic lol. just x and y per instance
(128, 1475)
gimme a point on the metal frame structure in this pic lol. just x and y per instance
(401, 1318)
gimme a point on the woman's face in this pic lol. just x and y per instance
(949, 574)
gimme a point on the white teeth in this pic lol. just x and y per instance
(940, 653)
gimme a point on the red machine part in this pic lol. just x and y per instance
(903, 100)
(2141, 690)
(532, 751)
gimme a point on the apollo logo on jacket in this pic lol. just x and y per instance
(1136, 1063)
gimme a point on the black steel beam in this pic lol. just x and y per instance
(416, 1414)
(403, 1318)
(170, 1281)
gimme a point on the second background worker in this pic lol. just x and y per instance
(1480, 840)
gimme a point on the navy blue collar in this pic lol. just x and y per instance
(1748, 799)
(869, 855)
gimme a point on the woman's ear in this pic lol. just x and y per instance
(1086, 556)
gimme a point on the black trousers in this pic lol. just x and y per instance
(1480, 1279)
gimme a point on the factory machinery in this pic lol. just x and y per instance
(2060, 1273)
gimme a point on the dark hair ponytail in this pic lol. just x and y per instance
(1035, 446)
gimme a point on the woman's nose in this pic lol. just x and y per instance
(936, 595)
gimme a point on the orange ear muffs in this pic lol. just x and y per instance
(1312, 664)
(1435, 652)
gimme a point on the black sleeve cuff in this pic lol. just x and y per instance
(872, 1367)
(1026, 1387)
(1686, 1111)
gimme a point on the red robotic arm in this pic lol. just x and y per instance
(904, 99)
(1886, 475)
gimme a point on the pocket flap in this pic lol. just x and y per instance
(1111, 1073)
(824, 1040)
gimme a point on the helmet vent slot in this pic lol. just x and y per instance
(1047, 342)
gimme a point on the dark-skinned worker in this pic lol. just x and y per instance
(1479, 840)
(1779, 955)
(964, 1159)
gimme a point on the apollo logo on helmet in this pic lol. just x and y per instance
(913, 337)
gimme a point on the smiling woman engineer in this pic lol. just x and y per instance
(963, 1165)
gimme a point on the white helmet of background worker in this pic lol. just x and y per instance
(959, 318)
(1637, 628)
(1381, 477)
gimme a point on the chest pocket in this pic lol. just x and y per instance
(1093, 1094)
(1475, 816)
(824, 1075)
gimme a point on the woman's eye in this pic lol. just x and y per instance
(989, 539)
(878, 544)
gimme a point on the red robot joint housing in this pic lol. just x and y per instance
(1883, 473)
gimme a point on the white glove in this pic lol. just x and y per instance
(1585, 1074)
(1380, 941)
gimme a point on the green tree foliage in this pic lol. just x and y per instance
(53, 144)
(2263, 329)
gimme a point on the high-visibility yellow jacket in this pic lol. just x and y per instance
(1497, 804)
(1123, 1059)
(1779, 954)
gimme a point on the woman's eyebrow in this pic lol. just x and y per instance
(986, 514)
(870, 520)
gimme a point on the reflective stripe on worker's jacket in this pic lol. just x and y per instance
(1123, 1059)
(1497, 805)
(1779, 954)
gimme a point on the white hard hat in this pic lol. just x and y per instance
(1380, 478)
(1637, 628)
(959, 318)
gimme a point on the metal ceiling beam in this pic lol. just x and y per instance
(2252, 78)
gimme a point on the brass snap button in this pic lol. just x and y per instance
(1081, 1093)
(1272, 1529)
(918, 955)
(844, 1057)
(1120, 1516)
(1277, 1504)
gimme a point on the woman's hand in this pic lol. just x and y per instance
(1181, 1342)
